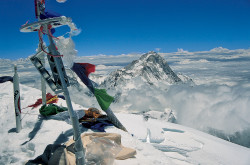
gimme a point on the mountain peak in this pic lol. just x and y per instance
(147, 60)
(150, 67)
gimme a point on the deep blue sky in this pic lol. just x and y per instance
(127, 26)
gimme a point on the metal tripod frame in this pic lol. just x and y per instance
(58, 82)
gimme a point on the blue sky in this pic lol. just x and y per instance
(128, 26)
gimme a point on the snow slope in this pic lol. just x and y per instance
(156, 142)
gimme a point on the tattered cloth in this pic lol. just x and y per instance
(49, 100)
(93, 119)
(51, 109)
(83, 70)
(97, 125)
(91, 115)
(4, 79)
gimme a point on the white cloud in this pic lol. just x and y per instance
(219, 49)
(61, 1)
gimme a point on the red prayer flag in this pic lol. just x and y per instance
(89, 68)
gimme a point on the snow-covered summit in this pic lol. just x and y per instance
(150, 67)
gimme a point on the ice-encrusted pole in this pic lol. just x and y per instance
(17, 103)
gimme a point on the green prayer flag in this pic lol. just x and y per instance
(103, 98)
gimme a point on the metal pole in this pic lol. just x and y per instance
(43, 85)
(79, 153)
(17, 100)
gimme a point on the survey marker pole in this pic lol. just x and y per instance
(17, 103)
(77, 135)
